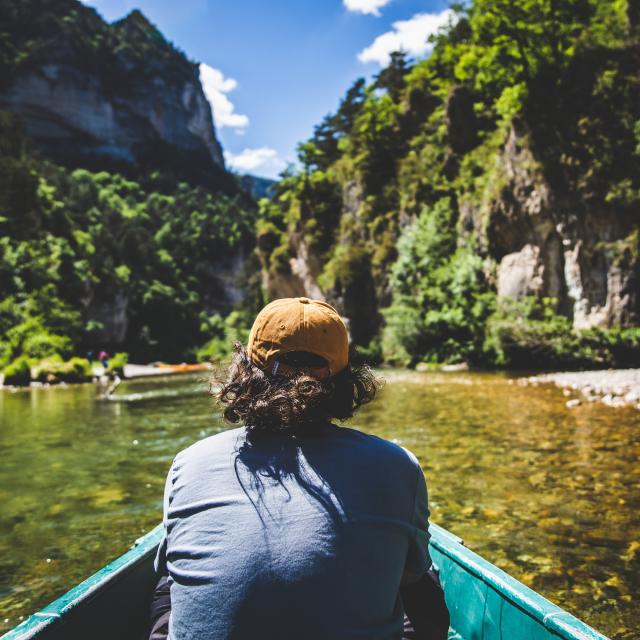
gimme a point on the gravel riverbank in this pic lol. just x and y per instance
(613, 387)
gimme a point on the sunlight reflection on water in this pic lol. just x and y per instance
(547, 493)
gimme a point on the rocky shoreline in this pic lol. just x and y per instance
(613, 387)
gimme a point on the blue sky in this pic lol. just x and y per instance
(274, 68)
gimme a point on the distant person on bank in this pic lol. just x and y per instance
(104, 359)
(290, 526)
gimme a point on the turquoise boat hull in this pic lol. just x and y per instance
(485, 603)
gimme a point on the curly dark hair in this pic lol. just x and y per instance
(266, 403)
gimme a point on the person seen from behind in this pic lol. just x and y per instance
(290, 526)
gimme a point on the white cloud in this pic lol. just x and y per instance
(262, 161)
(407, 35)
(366, 6)
(216, 87)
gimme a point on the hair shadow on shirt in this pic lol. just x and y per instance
(264, 460)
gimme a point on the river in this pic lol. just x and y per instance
(547, 493)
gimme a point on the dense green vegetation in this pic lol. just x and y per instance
(93, 260)
(399, 200)
(387, 183)
(98, 252)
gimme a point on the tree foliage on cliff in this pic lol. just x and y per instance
(78, 249)
(383, 181)
(118, 61)
(41, 32)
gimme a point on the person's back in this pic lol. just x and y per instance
(323, 527)
(292, 527)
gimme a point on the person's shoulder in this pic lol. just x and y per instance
(379, 447)
(220, 443)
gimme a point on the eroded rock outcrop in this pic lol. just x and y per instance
(534, 241)
(301, 276)
(134, 98)
(551, 246)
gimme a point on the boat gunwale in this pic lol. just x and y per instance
(88, 588)
(552, 617)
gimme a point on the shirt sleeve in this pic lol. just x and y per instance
(160, 562)
(418, 559)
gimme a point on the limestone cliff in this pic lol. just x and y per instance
(502, 166)
(535, 242)
(106, 95)
(552, 245)
(157, 235)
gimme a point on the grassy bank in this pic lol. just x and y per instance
(54, 370)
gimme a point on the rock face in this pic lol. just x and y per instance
(113, 315)
(547, 246)
(125, 106)
(68, 114)
(228, 279)
(301, 278)
(534, 242)
(521, 273)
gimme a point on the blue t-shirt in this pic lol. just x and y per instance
(287, 538)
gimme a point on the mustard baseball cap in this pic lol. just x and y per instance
(299, 324)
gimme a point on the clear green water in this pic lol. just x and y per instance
(549, 494)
